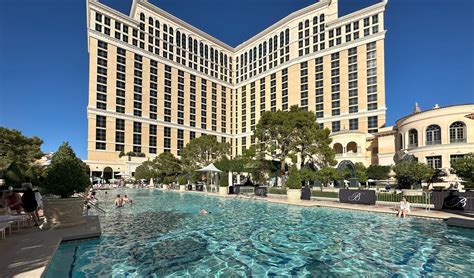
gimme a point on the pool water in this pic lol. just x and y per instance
(163, 235)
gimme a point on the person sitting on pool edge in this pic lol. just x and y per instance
(203, 211)
(118, 201)
(404, 208)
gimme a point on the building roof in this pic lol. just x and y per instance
(431, 109)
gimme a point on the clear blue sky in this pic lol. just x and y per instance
(44, 60)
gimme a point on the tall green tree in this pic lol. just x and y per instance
(378, 172)
(360, 171)
(328, 174)
(410, 172)
(464, 169)
(66, 174)
(164, 165)
(202, 151)
(147, 170)
(17, 156)
(284, 134)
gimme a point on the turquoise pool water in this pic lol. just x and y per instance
(162, 235)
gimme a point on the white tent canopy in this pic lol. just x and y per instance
(210, 168)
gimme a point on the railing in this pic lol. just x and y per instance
(457, 140)
(434, 142)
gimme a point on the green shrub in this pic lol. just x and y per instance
(168, 180)
(318, 193)
(277, 191)
(182, 180)
(66, 174)
(294, 179)
(223, 180)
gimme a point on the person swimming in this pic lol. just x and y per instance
(203, 211)
(118, 201)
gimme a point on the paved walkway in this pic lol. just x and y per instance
(281, 199)
(27, 252)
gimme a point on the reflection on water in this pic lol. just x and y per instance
(162, 234)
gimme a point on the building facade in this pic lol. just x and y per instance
(156, 82)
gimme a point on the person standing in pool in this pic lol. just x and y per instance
(118, 201)
(126, 200)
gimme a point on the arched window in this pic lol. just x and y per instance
(142, 16)
(321, 18)
(270, 45)
(195, 47)
(225, 60)
(183, 40)
(433, 135)
(351, 147)
(400, 141)
(206, 51)
(300, 26)
(171, 32)
(165, 28)
(157, 24)
(190, 43)
(178, 38)
(251, 55)
(150, 21)
(315, 20)
(412, 138)
(287, 36)
(457, 132)
(282, 38)
(201, 49)
(337, 148)
(306, 23)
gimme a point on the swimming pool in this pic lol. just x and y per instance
(162, 234)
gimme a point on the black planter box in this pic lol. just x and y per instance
(190, 187)
(199, 187)
(363, 197)
(305, 193)
(261, 191)
(453, 200)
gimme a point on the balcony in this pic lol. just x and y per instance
(434, 142)
(457, 140)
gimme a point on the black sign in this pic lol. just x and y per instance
(453, 200)
(364, 197)
(305, 193)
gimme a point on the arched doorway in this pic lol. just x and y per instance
(347, 164)
(338, 148)
(107, 174)
(351, 147)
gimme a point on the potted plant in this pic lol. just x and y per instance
(223, 186)
(182, 183)
(293, 194)
(166, 181)
(66, 176)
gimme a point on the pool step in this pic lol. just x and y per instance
(460, 222)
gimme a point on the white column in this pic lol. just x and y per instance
(230, 179)
(238, 178)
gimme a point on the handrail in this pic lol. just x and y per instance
(92, 204)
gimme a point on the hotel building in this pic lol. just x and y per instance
(156, 82)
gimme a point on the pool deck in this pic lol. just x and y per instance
(416, 212)
(27, 252)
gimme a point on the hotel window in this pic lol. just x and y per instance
(152, 139)
(273, 92)
(319, 87)
(433, 135)
(304, 85)
(353, 124)
(119, 135)
(252, 106)
(101, 124)
(102, 76)
(180, 141)
(336, 126)
(223, 109)
(203, 103)
(455, 157)
(284, 90)
(434, 162)
(167, 94)
(137, 96)
(180, 110)
(262, 95)
(167, 139)
(457, 132)
(372, 124)
(353, 80)
(371, 77)
(335, 85)
(153, 89)
(244, 109)
(412, 138)
(192, 100)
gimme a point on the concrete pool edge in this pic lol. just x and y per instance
(31, 250)
(416, 212)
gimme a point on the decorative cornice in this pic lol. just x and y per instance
(346, 116)
(358, 15)
(404, 120)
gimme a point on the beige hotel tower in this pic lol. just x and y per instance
(156, 82)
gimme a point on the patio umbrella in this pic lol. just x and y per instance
(151, 182)
(210, 169)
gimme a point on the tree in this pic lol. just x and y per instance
(410, 172)
(202, 151)
(378, 172)
(464, 169)
(17, 155)
(294, 178)
(164, 165)
(327, 174)
(66, 174)
(283, 134)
